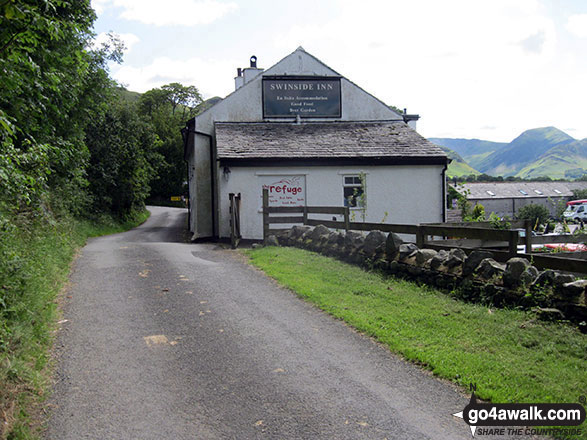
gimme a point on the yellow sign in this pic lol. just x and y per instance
(175, 198)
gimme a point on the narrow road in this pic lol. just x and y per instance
(168, 340)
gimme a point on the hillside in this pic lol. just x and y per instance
(568, 161)
(458, 167)
(473, 151)
(523, 150)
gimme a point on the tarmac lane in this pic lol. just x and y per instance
(163, 339)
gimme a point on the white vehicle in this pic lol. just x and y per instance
(576, 211)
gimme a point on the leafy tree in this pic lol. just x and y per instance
(537, 214)
(166, 110)
(123, 149)
(579, 194)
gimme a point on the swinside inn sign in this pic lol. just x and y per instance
(307, 97)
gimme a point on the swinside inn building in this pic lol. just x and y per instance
(312, 137)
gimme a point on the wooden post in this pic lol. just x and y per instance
(265, 214)
(420, 237)
(513, 245)
(528, 238)
(347, 218)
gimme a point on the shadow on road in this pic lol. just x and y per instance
(166, 225)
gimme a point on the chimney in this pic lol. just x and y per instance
(252, 71)
(239, 80)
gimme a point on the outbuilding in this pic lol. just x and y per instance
(506, 198)
(311, 137)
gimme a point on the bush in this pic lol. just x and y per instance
(537, 214)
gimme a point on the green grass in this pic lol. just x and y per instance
(509, 355)
(35, 259)
(458, 169)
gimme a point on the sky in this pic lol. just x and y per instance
(486, 69)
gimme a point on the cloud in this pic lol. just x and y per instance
(99, 5)
(534, 43)
(483, 61)
(577, 25)
(169, 13)
(209, 76)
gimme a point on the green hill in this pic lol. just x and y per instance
(473, 151)
(568, 161)
(523, 150)
(458, 167)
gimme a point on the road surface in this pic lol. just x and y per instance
(161, 339)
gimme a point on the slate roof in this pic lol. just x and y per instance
(388, 141)
(509, 190)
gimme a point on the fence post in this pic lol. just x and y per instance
(528, 241)
(265, 214)
(420, 237)
(347, 218)
(305, 215)
(513, 245)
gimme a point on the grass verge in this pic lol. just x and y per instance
(509, 355)
(35, 259)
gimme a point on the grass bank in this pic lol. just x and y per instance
(509, 355)
(35, 259)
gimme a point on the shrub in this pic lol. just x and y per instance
(537, 214)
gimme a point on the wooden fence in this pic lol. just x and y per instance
(503, 243)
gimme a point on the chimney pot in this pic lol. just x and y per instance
(253, 61)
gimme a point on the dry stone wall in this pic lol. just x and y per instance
(475, 277)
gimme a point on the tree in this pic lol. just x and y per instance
(537, 214)
(186, 97)
(159, 107)
(123, 148)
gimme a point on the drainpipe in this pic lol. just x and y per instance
(443, 174)
(185, 135)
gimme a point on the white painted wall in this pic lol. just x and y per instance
(408, 194)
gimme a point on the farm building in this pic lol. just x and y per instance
(506, 198)
(311, 137)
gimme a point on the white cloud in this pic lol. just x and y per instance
(577, 25)
(209, 76)
(462, 65)
(99, 5)
(129, 40)
(171, 12)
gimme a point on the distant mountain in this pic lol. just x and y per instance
(458, 167)
(565, 161)
(473, 151)
(523, 150)
(205, 105)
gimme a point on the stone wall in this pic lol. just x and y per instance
(475, 277)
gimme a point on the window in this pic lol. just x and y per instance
(491, 193)
(557, 191)
(538, 192)
(523, 192)
(353, 191)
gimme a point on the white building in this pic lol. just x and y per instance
(313, 138)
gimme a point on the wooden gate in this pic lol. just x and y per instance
(235, 219)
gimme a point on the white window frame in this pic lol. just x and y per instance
(359, 181)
